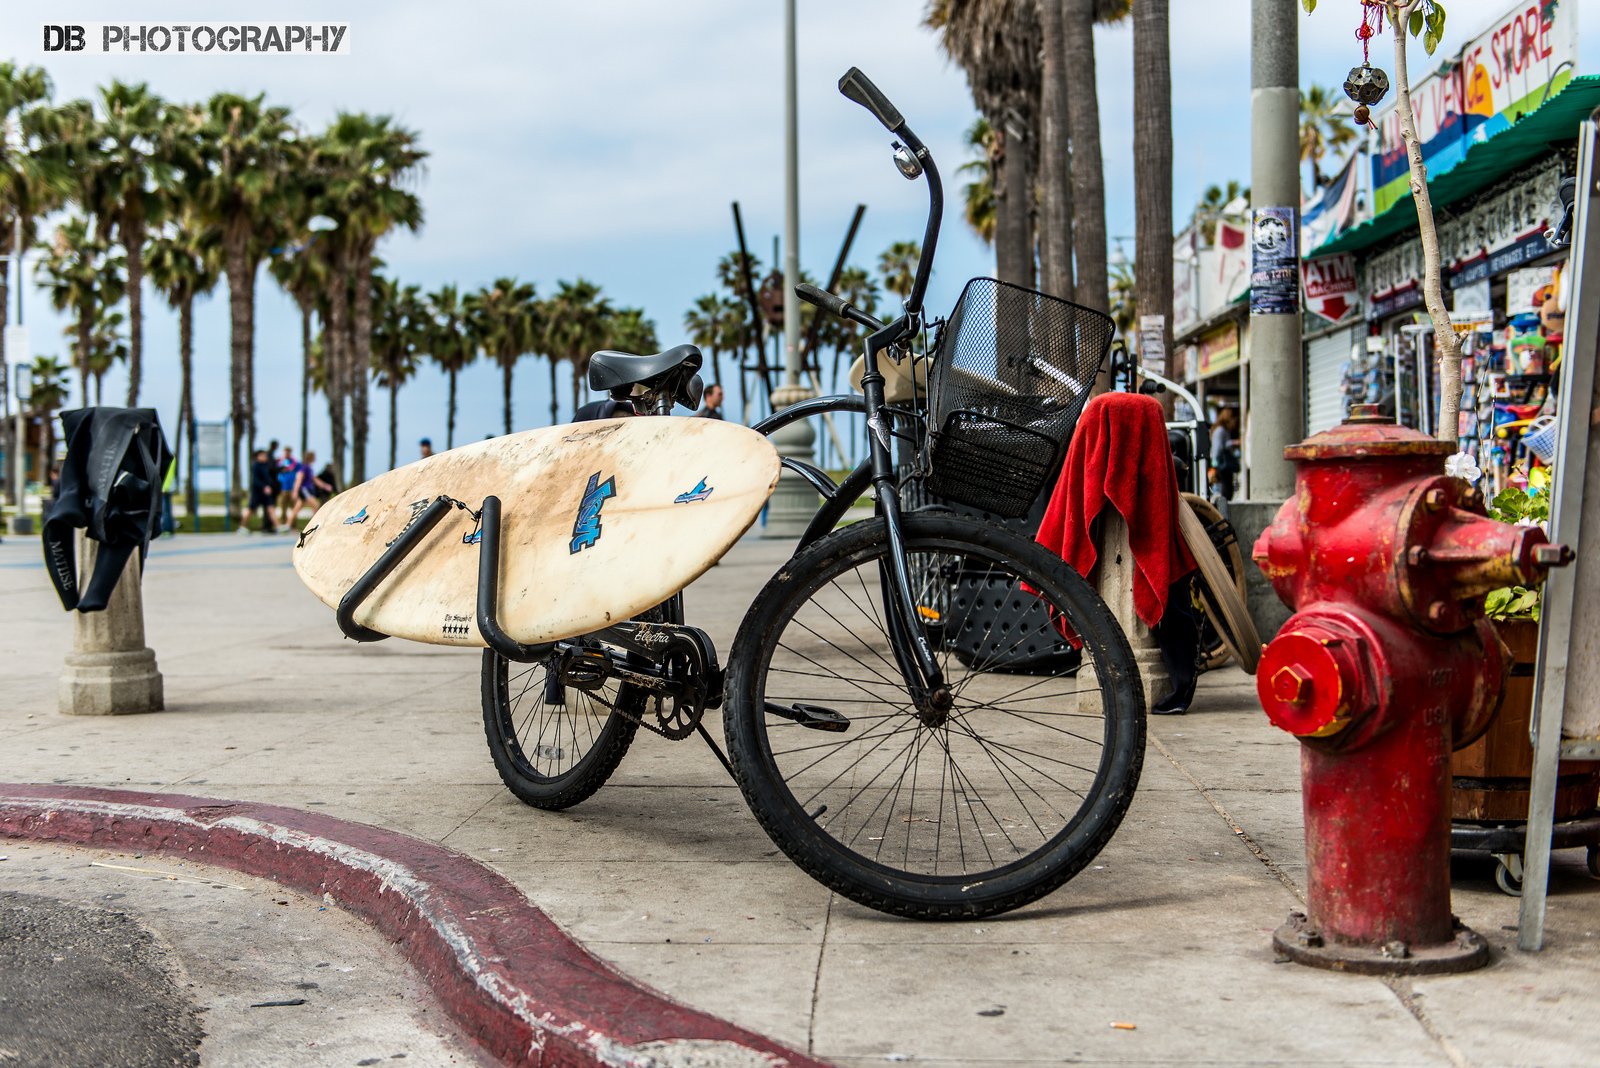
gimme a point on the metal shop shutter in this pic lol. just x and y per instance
(1325, 360)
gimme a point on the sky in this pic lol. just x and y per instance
(607, 139)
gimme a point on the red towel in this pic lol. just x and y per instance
(1120, 456)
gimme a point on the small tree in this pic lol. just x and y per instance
(1424, 19)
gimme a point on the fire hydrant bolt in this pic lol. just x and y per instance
(1291, 685)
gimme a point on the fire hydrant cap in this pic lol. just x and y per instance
(1364, 434)
(1307, 682)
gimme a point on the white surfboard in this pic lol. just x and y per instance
(599, 521)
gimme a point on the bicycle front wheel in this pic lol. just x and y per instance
(940, 815)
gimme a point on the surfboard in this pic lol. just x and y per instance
(599, 521)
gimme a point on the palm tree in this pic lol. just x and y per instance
(51, 381)
(1088, 208)
(707, 326)
(451, 345)
(577, 327)
(1152, 162)
(1124, 298)
(628, 330)
(398, 333)
(369, 163)
(302, 271)
(506, 319)
(34, 175)
(997, 44)
(1323, 128)
(107, 346)
(1057, 144)
(1211, 204)
(81, 277)
(978, 206)
(185, 263)
(898, 266)
(234, 151)
(124, 177)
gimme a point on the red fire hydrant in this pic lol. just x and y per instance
(1386, 666)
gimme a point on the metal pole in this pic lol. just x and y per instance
(791, 202)
(795, 501)
(1277, 396)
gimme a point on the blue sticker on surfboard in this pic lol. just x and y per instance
(586, 529)
(700, 492)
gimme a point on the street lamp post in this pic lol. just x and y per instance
(794, 502)
(22, 387)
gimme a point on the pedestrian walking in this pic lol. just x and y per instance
(308, 489)
(425, 448)
(263, 493)
(1225, 453)
(287, 466)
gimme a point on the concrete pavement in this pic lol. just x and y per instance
(666, 875)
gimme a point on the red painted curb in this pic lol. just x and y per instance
(515, 983)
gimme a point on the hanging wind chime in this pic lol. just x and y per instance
(1367, 84)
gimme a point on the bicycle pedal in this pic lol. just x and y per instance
(815, 717)
(585, 670)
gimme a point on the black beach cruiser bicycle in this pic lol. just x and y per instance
(928, 712)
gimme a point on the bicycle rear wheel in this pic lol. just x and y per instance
(987, 807)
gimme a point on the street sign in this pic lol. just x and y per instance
(211, 444)
(1330, 285)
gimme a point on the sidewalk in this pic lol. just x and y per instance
(666, 875)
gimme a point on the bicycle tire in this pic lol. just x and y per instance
(842, 866)
(1213, 650)
(521, 771)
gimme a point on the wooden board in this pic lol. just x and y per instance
(600, 521)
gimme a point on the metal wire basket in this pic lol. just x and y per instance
(1010, 376)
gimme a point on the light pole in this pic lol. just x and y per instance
(794, 501)
(22, 387)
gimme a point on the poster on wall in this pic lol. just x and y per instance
(1471, 302)
(1274, 263)
(1527, 290)
(1153, 343)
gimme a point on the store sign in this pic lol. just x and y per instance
(1218, 350)
(1274, 259)
(1185, 287)
(1330, 285)
(1471, 302)
(1488, 265)
(1397, 300)
(1524, 57)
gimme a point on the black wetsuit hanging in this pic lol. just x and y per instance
(110, 488)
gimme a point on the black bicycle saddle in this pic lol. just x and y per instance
(611, 370)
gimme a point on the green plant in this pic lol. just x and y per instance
(1527, 507)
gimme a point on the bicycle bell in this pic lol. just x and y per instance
(906, 162)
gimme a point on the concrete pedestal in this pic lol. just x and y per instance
(1113, 580)
(1249, 519)
(794, 502)
(110, 671)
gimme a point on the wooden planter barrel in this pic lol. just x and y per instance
(1492, 776)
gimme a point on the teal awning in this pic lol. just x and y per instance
(1555, 122)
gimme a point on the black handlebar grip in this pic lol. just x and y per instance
(828, 302)
(858, 87)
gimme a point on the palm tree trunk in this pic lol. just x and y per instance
(1055, 159)
(576, 395)
(1088, 169)
(1013, 193)
(239, 329)
(186, 397)
(133, 241)
(85, 318)
(394, 422)
(505, 387)
(334, 377)
(360, 364)
(1152, 164)
(99, 383)
(554, 415)
(305, 376)
(450, 418)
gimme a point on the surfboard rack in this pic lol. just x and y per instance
(489, 591)
(398, 550)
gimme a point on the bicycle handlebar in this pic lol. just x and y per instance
(858, 87)
(830, 302)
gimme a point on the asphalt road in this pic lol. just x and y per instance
(81, 986)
